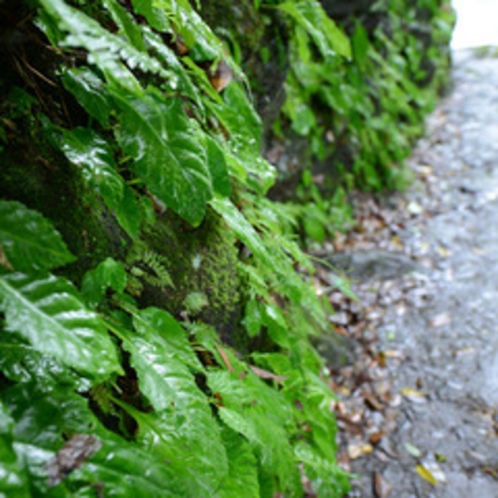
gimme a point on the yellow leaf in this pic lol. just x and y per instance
(411, 393)
(426, 474)
(357, 450)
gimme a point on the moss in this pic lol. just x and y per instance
(202, 266)
(41, 178)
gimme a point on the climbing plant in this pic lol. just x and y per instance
(100, 396)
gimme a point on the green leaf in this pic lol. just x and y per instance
(197, 34)
(48, 312)
(89, 91)
(131, 472)
(361, 45)
(329, 39)
(263, 416)
(127, 24)
(218, 167)
(105, 49)
(328, 479)
(29, 240)
(242, 479)
(155, 16)
(176, 437)
(108, 274)
(13, 475)
(86, 149)
(20, 362)
(163, 357)
(181, 81)
(184, 427)
(167, 155)
(241, 227)
(42, 418)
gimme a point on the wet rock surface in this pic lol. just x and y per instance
(418, 406)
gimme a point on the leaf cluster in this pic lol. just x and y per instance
(373, 98)
(101, 397)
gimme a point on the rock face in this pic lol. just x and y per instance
(374, 264)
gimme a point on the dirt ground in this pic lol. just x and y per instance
(418, 400)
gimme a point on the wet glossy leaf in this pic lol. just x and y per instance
(107, 50)
(184, 426)
(241, 227)
(126, 23)
(179, 437)
(13, 475)
(86, 149)
(167, 154)
(89, 91)
(162, 355)
(29, 241)
(40, 418)
(21, 362)
(329, 481)
(218, 167)
(256, 411)
(242, 480)
(49, 313)
(108, 275)
(181, 81)
(328, 37)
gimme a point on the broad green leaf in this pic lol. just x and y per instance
(328, 479)
(242, 151)
(177, 438)
(198, 36)
(105, 49)
(29, 241)
(20, 362)
(127, 24)
(244, 119)
(43, 418)
(163, 357)
(86, 149)
(361, 45)
(155, 16)
(327, 36)
(241, 227)
(132, 472)
(167, 155)
(242, 479)
(181, 82)
(48, 312)
(89, 91)
(108, 274)
(13, 475)
(218, 167)
(263, 416)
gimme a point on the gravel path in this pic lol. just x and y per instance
(445, 407)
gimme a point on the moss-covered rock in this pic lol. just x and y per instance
(192, 273)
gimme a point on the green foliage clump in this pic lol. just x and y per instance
(361, 104)
(101, 397)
